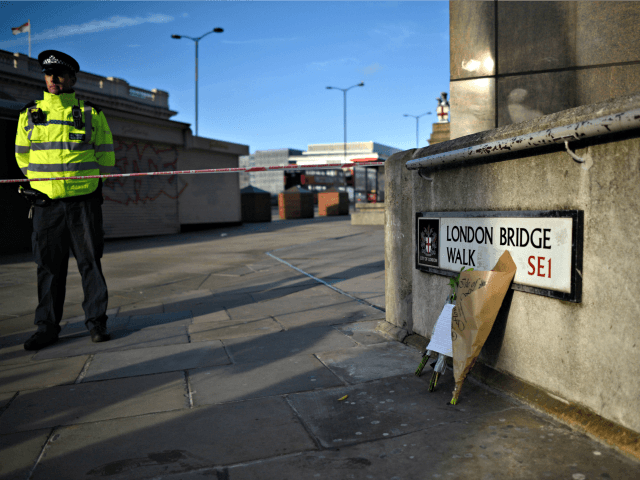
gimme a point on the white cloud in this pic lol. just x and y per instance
(394, 35)
(94, 26)
(331, 63)
(371, 69)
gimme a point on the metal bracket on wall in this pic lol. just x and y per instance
(573, 155)
(421, 173)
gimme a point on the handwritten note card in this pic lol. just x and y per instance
(441, 339)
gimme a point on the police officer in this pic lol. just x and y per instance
(62, 136)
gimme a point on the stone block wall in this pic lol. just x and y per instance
(585, 353)
(515, 61)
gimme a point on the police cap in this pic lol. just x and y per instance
(53, 61)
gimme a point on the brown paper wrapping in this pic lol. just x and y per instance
(479, 297)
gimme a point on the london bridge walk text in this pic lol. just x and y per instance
(539, 238)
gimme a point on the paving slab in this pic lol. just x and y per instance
(266, 264)
(356, 249)
(386, 408)
(41, 374)
(178, 273)
(184, 300)
(182, 318)
(95, 401)
(284, 344)
(142, 290)
(76, 325)
(294, 302)
(121, 339)
(147, 361)
(363, 332)
(259, 281)
(211, 304)
(5, 398)
(515, 444)
(378, 300)
(319, 305)
(218, 316)
(141, 308)
(15, 355)
(174, 442)
(370, 362)
(299, 373)
(12, 350)
(111, 312)
(346, 311)
(27, 303)
(201, 332)
(221, 284)
(121, 298)
(235, 271)
(19, 452)
(280, 293)
(14, 324)
(358, 276)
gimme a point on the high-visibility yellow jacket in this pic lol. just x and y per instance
(56, 148)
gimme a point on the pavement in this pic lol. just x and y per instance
(252, 352)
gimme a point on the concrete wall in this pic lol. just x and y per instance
(586, 353)
(209, 198)
(145, 140)
(398, 249)
(156, 205)
(514, 61)
(140, 206)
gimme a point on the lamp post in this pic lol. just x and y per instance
(178, 37)
(417, 117)
(344, 91)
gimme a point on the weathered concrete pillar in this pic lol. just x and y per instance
(398, 253)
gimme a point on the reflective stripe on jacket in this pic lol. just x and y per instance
(56, 148)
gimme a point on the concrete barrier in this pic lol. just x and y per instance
(333, 202)
(295, 202)
(368, 214)
(585, 353)
(256, 204)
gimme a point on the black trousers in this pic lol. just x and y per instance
(65, 225)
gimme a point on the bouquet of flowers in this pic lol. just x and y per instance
(479, 297)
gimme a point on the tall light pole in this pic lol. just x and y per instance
(178, 37)
(344, 91)
(417, 117)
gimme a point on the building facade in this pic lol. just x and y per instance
(145, 140)
(272, 182)
(364, 184)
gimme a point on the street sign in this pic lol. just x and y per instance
(545, 245)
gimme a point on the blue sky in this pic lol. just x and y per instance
(263, 81)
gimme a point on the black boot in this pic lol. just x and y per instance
(40, 340)
(99, 334)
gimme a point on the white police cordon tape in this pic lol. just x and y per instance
(208, 170)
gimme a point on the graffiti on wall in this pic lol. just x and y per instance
(135, 157)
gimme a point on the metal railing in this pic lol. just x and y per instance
(617, 122)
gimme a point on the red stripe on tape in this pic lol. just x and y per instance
(208, 170)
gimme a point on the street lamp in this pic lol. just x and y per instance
(178, 37)
(417, 120)
(344, 91)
